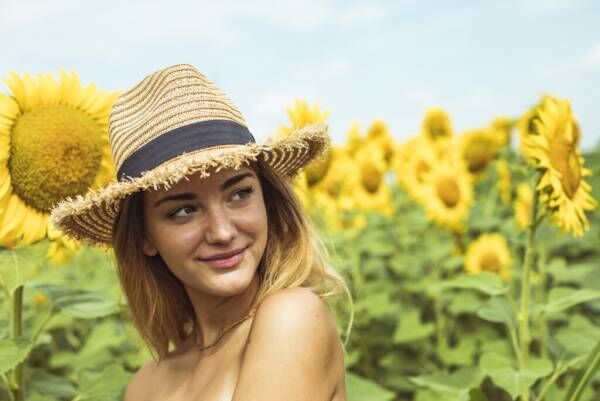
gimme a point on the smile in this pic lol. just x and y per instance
(227, 262)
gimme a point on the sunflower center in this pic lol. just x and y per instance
(438, 129)
(371, 177)
(565, 160)
(55, 152)
(479, 153)
(448, 191)
(490, 262)
(422, 169)
(316, 170)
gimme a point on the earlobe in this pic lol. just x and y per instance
(149, 249)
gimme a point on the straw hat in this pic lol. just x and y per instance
(173, 123)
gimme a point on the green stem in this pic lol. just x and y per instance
(547, 385)
(17, 388)
(542, 295)
(523, 318)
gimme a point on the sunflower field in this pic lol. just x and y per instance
(473, 257)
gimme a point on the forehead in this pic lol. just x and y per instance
(195, 181)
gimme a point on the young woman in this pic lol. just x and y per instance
(226, 280)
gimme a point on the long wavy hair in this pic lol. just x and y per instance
(294, 256)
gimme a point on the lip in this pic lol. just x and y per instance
(225, 260)
(223, 255)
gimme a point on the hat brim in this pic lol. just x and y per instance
(89, 217)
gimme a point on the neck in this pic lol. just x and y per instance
(214, 313)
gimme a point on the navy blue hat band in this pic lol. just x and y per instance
(181, 140)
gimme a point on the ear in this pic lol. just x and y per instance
(148, 248)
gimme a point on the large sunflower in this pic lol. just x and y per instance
(489, 253)
(553, 148)
(448, 193)
(53, 145)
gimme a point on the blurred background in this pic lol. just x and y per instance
(459, 200)
(361, 60)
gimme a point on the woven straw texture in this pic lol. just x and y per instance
(165, 100)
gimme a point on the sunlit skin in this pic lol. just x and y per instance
(199, 218)
(289, 350)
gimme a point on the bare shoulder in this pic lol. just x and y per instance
(294, 350)
(138, 386)
(295, 310)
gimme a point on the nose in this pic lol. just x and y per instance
(220, 228)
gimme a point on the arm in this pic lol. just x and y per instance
(294, 351)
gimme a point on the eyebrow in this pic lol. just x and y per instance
(190, 196)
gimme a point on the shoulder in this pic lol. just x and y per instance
(295, 310)
(137, 387)
(293, 346)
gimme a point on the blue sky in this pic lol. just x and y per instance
(361, 60)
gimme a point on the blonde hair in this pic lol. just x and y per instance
(294, 256)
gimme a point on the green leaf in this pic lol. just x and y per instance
(503, 373)
(465, 302)
(455, 386)
(592, 364)
(55, 386)
(411, 329)
(498, 310)
(579, 336)
(19, 265)
(12, 352)
(460, 355)
(486, 282)
(87, 305)
(562, 298)
(361, 389)
(107, 385)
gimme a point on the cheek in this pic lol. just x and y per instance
(176, 240)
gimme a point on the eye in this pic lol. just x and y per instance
(244, 193)
(183, 211)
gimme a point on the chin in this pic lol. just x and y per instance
(234, 282)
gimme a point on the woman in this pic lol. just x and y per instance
(224, 275)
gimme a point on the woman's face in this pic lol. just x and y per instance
(198, 223)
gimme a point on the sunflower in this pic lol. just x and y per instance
(489, 253)
(378, 133)
(526, 125)
(354, 140)
(335, 181)
(436, 124)
(62, 247)
(504, 181)
(502, 128)
(300, 115)
(478, 148)
(447, 193)
(368, 187)
(414, 159)
(553, 148)
(53, 145)
(523, 205)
